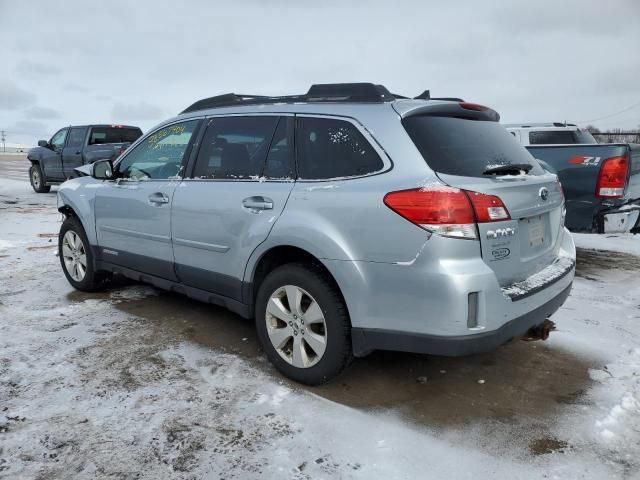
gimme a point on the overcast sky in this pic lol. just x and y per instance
(139, 62)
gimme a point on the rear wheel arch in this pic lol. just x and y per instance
(276, 257)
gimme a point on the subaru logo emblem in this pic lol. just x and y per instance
(543, 194)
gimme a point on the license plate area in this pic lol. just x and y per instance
(536, 231)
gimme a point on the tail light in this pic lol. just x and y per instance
(612, 178)
(447, 211)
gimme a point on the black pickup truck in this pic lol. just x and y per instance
(601, 183)
(54, 161)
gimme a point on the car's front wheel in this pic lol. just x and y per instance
(37, 179)
(76, 257)
(303, 324)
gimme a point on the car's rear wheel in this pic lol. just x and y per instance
(76, 257)
(37, 179)
(303, 324)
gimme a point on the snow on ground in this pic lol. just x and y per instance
(116, 385)
(615, 242)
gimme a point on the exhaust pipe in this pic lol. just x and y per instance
(540, 332)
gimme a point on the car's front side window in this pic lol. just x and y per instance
(160, 155)
(57, 142)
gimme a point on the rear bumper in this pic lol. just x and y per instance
(447, 298)
(366, 340)
(620, 220)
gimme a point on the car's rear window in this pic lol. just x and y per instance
(102, 135)
(465, 147)
(552, 137)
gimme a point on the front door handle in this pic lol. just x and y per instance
(257, 203)
(158, 198)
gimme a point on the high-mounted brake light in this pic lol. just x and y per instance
(612, 178)
(447, 211)
(473, 106)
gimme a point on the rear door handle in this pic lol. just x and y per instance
(258, 203)
(158, 198)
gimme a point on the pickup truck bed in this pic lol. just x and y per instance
(579, 168)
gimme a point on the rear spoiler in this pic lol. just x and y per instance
(466, 110)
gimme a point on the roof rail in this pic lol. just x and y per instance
(328, 92)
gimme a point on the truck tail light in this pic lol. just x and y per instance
(612, 178)
(447, 211)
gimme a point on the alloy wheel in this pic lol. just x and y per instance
(296, 326)
(74, 255)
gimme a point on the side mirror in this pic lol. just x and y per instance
(43, 143)
(102, 170)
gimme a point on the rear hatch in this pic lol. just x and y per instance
(474, 153)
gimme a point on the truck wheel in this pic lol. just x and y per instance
(37, 179)
(303, 324)
(76, 257)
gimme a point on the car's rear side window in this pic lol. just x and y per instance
(102, 135)
(235, 147)
(331, 148)
(465, 147)
(552, 137)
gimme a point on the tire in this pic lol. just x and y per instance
(309, 285)
(73, 249)
(37, 179)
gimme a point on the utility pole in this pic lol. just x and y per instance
(2, 133)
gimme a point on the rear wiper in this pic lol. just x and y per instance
(513, 169)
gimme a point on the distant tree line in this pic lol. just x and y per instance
(615, 135)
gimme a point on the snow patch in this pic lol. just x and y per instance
(622, 242)
(537, 280)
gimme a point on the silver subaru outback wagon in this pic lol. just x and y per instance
(344, 220)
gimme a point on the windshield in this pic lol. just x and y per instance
(465, 147)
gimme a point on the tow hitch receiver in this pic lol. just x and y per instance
(539, 332)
